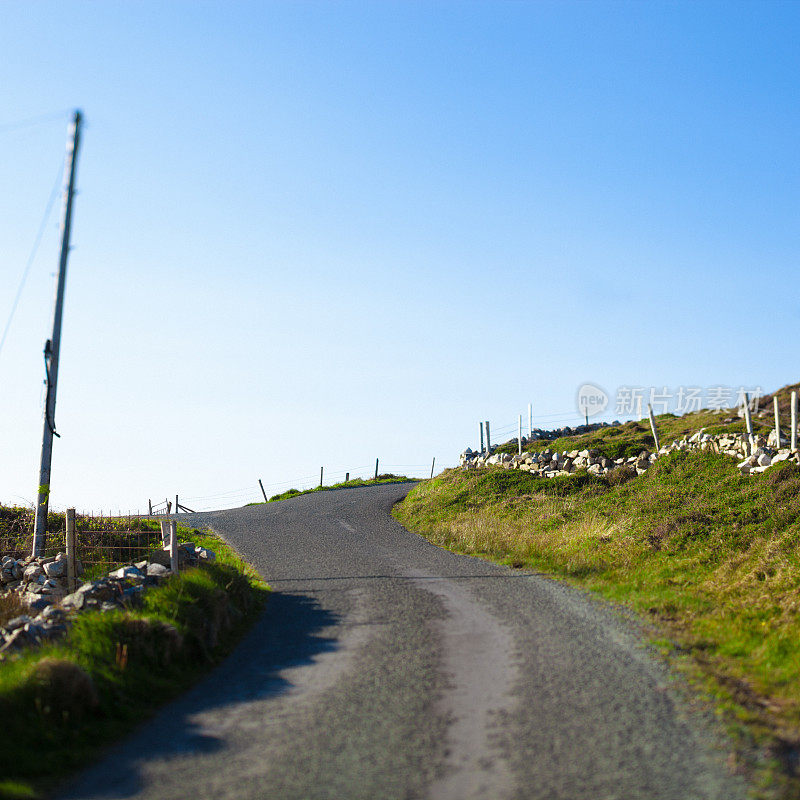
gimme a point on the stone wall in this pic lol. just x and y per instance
(40, 585)
(753, 453)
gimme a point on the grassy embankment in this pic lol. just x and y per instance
(384, 478)
(62, 703)
(708, 556)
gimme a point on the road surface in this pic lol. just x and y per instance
(385, 667)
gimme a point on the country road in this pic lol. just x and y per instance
(385, 667)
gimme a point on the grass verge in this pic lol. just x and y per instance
(709, 557)
(62, 704)
(385, 478)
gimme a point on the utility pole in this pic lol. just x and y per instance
(53, 345)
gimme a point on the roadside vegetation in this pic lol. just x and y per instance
(62, 703)
(709, 557)
(383, 478)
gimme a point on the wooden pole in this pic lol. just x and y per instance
(488, 442)
(793, 443)
(53, 347)
(177, 505)
(481, 424)
(72, 572)
(262, 490)
(653, 425)
(346, 477)
(777, 423)
(173, 547)
(519, 436)
(149, 507)
(320, 476)
(433, 464)
(376, 469)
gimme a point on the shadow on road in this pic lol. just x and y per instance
(288, 634)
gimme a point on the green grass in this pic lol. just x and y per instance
(710, 557)
(61, 704)
(385, 478)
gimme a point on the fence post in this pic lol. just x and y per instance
(793, 443)
(346, 477)
(488, 442)
(72, 572)
(149, 507)
(173, 547)
(519, 436)
(481, 424)
(168, 504)
(177, 505)
(777, 423)
(376, 469)
(530, 420)
(653, 425)
(165, 533)
(320, 476)
(262, 490)
(433, 464)
(748, 421)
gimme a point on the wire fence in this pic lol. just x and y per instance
(103, 543)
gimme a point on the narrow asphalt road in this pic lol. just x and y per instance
(385, 667)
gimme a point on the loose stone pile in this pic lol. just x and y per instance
(41, 585)
(754, 453)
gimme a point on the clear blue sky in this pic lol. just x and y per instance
(319, 233)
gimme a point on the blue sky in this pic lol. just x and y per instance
(313, 234)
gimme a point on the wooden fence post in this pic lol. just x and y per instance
(777, 423)
(262, 490)
(376, 469)
(346, 477)
(177, 505)
(653, 425)
(793, 443)
(149, 507)
(173, 547)
(433, 464)
(72, 572)
(320, 476)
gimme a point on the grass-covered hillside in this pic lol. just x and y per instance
(711, 558)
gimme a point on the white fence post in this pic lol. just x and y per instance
(165, 533)
(481, 424)
(777, 423)
(530, 421)
(488, 442)
(519, 436)
(793, 443)
(748, 421)
(653, 425)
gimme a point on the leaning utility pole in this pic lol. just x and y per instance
(53, 345)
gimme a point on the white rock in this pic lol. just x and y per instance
(764, 460)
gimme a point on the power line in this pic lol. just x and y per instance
(32, 121)
(32, 256)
